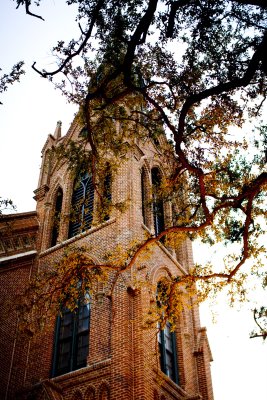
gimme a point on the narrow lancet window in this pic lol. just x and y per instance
(57, 217)
(166, 339)
(168, 353)
(144, 191)
(157, 202)
(82, 205)
(107, 193)
(71, 340)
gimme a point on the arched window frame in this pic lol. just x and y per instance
(82, 204)
(157, 203)
(71, 344)
(56, 216)
(107, 192)
(146, 197)
(167, 348)
(168, 352)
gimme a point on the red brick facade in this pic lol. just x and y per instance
(123, 360)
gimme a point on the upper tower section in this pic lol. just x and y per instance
(125, 182)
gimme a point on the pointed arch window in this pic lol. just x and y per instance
(168, 352)
(71, 340)
(166, 339)
(82, 205)
(145, 196)
(107, 193)
(157, 202)
(56, 217)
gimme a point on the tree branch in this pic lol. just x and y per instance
(87, 35)
(174, 7)
(27, 4)
(138, 37)
(236, 83)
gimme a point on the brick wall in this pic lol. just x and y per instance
(123, 358)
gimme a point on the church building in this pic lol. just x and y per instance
(104, 351)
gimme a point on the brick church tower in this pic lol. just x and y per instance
(102, 352)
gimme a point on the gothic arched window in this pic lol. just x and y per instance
(82, 205)
(71, 340)
(107, 193)
(166, 338)
(56, 217)
(145, 196)
(157, 202)
(167, 352)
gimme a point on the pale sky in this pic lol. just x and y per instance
(30, 112)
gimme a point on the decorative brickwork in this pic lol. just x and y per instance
(123, 360)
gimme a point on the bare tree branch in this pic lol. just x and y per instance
(27, 4)
(87, 35)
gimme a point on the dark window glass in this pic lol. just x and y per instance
(107, 196)
(167, 353)
(144, 196)
(56, 217)
(157, 203)
(71, 340)
(82, 205)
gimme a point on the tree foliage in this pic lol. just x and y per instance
(260, 318)
(56, 287)
(6, 204)
(260, 315)
(11, 77)
(195, 69)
